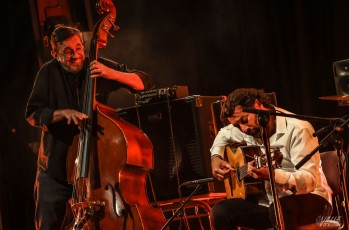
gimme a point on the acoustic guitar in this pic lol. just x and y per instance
(240, 184)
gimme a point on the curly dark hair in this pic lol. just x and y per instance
(245, 97)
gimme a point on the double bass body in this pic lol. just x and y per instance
(120, 160)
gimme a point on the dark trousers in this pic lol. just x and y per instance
(296, 210)
(51, 201)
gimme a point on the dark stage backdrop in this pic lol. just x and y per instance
(211, 46)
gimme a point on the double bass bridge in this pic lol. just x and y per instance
(87, 211)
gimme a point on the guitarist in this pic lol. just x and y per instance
(304, 193)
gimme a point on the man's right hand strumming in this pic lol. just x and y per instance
(220, 168)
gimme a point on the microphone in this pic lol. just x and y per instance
(257, 111)
(323, 130)
(332, 126)
(196, 182)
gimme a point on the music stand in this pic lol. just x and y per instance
(180, 209)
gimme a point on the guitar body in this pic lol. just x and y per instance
(239, 184)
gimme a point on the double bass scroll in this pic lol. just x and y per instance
(109, 162)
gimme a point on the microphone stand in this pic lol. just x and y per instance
(338, 144)
(324, 140)
(180, 209)
(301, 117)
(263, 120)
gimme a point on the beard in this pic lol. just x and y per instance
(73, 65)
(255, 132)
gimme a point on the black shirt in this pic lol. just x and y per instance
(56, 88)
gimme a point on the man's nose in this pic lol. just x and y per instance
(73, 54)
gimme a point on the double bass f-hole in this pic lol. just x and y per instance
(118, 203)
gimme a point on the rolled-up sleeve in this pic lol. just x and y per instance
(227, 135)
(304, 179)
(147, 80)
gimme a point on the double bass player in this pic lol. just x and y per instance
(55, 106)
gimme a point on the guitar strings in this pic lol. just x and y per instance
(242, 172)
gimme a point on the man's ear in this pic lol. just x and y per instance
(53, 54)
(257, 104)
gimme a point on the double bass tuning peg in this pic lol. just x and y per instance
(115, 27)
(111, 21)
(107, 31)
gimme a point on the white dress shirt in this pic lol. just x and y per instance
(294, 139)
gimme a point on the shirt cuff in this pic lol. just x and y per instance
(216, 155)
(46, 117)
(285, 178)
(217, 151)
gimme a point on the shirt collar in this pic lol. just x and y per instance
(281, 123)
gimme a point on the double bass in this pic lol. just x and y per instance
(109, 161)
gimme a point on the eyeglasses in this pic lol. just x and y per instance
(69, 53)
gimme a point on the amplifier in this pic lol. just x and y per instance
(182, 132)
(161, 94)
